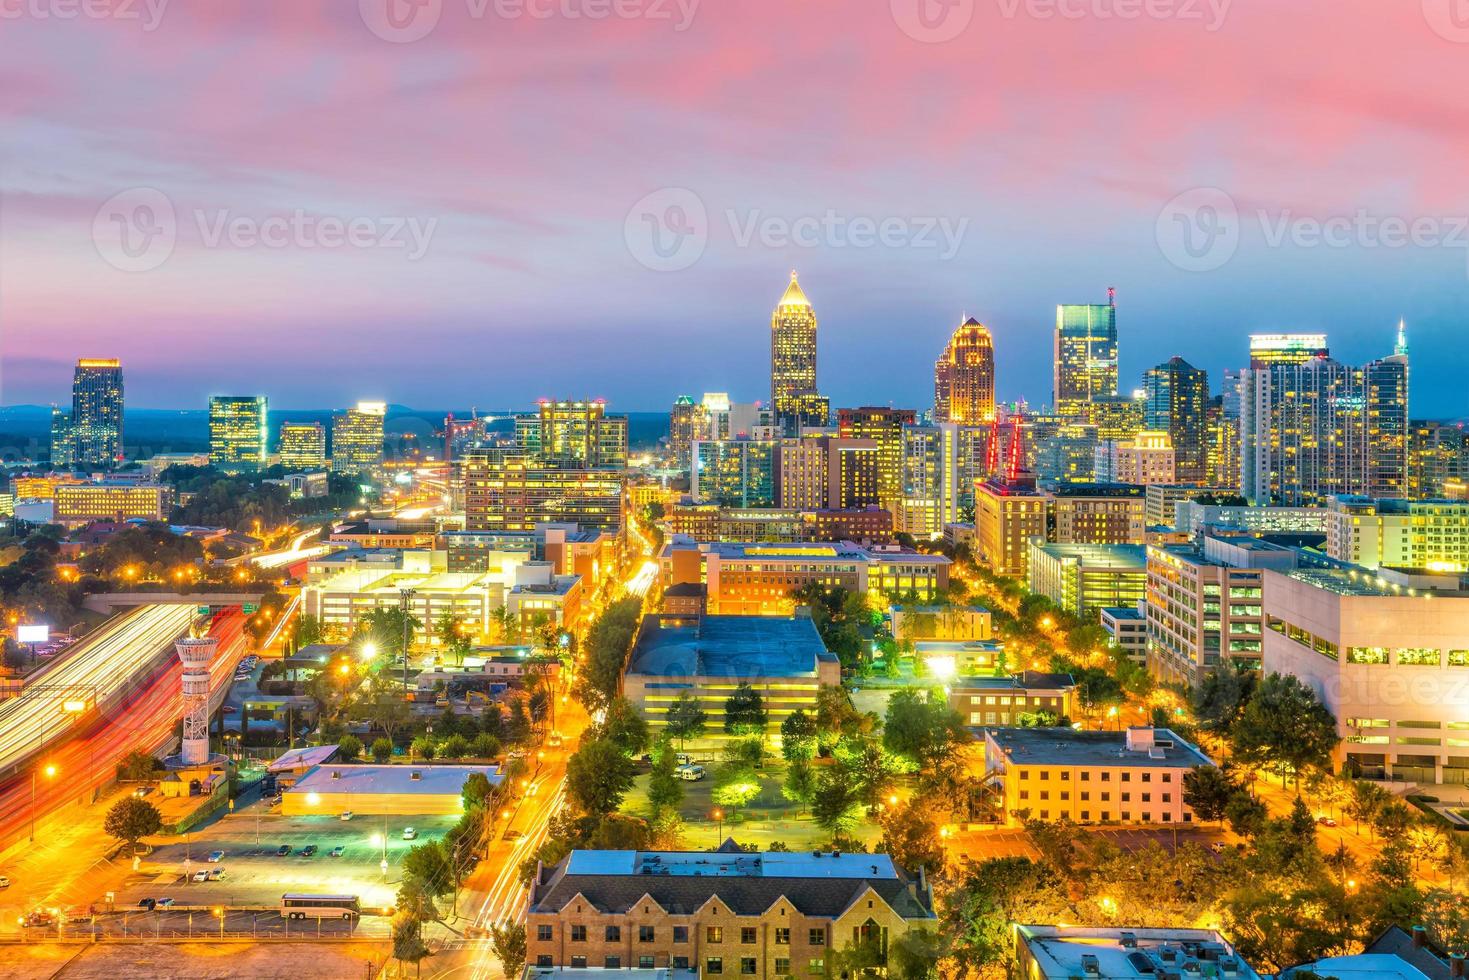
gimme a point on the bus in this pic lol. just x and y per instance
(301, 906)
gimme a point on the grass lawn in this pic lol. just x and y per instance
(770, 818)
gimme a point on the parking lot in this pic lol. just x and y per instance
(983, 844)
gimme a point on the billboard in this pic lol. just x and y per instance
(32, 633)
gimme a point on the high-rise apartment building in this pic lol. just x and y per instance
(1424, 534)
(735, 472)
(1286, 348)
(357, 438)
(96, 411)
(238, 432)
(684, 426)
(1146, 459)
(1221, 455)
(938, 477)
(63, 440)
(792, 353)
(574, 434)
(1085, 357)
(302, 445)
(1437, 453)
(1177, 402)
(964, 377)
(720, 418)
(826, 473)
(884, 426)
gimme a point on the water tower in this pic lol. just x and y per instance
(196, 654)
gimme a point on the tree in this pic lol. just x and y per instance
(423, 747)
(744, 712)
(836, 718)
(686, 719)
(798, 737)
(509, 943)
(868, 769)
(408, 945)
(349, 747)
(835, 806)
(306, 631)
(456, 746)
(1207, 791)
(1245, 813)
(910, 835)
(452, 635)
(598, 776)
(1364, 800)
(1285, 726)
(665, 790)
(922, 726)
(382, 751)
(484, 746)
(800, 782)
(737, 784)
(131, 819)
(915, 955)
(624, 726)
(477, 791)
(136, 765)
(430, 865)
(608, 642)
(1221, 698)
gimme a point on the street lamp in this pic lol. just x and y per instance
(718, 815)
(380, 840)
(50, 774)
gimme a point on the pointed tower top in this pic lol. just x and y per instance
(1402, 345)
(793, 295)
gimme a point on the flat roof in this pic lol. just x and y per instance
(533, 972)
(432, 780)
(1122, 612)
(1062, 952)
(1068, 747)
(1029, 680)
(728, 646)
(1363, 966)
(725, 864)
(306, 757)
(1129, 556)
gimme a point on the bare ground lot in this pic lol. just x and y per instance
(193, 961)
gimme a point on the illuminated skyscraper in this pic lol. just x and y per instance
(237, 432)
(302, 445)
(357, 438)
(792, 352)
(685, 425)
(884, 426)
(735, 472)
(964, 377)
(576, 434)
(63, 440)
(1177, 402)
(1085, 357)
(96, 411)
(1286, 348)
(1221, 461)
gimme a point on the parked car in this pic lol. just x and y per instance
(410, 834)
(215, 856)
(283, 850)
(513, 835)
(336, 852)
(201, 875)
(40, 917)
(4, 881)
(308, 850)
(1326, 821)
(165, 902)
(346, 814)
(147, 904)
(689, 772)
(216, 874)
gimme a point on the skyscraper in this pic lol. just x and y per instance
(357, 438)
(1286, 348)
(792, 352)
(684, 427)
(96, 411)
(883, 426)
(1177, 402)
(964, 377)
(575, 434)
(237, 432)
(1085, 357)
(302, 445)
(63, 440)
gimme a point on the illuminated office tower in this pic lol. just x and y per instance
(826, 473)
(807, 410)
(964, 377)
(506, 491)
(883, 426)
(63, 440)
(237, 432)
(1221, 457)
(576, 434)
(792, 352)
(1116, 417)
(302, 445)
(1085, 357)
(735, 472)
(720, 418)
(96, 411)
(1437, 453)
(1385, 388)
(1064, 453)
(1177, 395)
(357, 438)
(934, 479)
(685, 424)
(1286, 348)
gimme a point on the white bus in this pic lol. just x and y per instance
(301, 906)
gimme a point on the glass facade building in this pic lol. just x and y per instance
(1085, 357)
(238, 432)
(96, 411)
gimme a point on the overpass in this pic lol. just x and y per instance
(108, 603)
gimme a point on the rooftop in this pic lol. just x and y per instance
(1064, 952)
(1097, 490)
(733, 864)
(302, 758)
(728, 646)
(1123, 612)
(1151, 748)
(1125, 556)
(1028, 680)
(533, 972)
(431, 780)
(802, 551)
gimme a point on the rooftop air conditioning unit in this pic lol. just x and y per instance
(415, 775)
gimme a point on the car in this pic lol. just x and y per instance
(142, 791)
(1326, 821)
(147, 904)
(513, 835)
(200, 875)
(165, 902)
(554, 740)
(283, 850)
(40, 917)
(215, 856)
(346, 814)
(336, 852)
(684, 759)
(410, 834)
(4, 881)
(216, 874)
(307, 851)
(690, 772)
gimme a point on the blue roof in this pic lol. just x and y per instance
(728, 646)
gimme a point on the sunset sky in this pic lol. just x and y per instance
(497, 177)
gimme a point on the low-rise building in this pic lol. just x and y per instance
(709, 657)
(1063, 952)
(1432, 534)
(1145, 459)
(1090, 777)
(1128, 628)
(1161, 500)
(82, 503)
(1397, 954)
(945, 658)
(539, 595)
(1096, 513)
(331, 789)
(1013, 700)
(1195, 517)
(941, 623)
(725, 913)
(1083, 578)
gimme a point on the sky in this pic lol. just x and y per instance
(454, 203)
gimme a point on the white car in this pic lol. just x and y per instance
(346, 814)
(201, 876)
(410, 834)
(690, 772)
(4, 881)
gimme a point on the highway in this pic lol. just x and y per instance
(297, 551)
(86, 677)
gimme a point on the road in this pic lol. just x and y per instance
(296, 551)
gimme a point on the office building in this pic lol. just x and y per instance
(709, 657)
(1427, 534)
(1437, 454)
(1194, 518)
(1147, 458)
(1286, 348)
(728, 912)
(1096, 513)
(573, 435)
(964, 377)
(302, 446)
(711, 522)
(1008, 512)
(1161, 501)
(238, 432)
(884, 426)
(1385, 652)
(720, 418)
(735, 472)
(792, 354)
(1065, 453)
(685, 424)
(1087, 777)
(63, 441)
(1177, 402)
(1017, 699)
(96, 412)
(357, 438)
(1203, 605)
(1115, 417)
(77, 504)
(1084, 578)
(827, 473)
(540, 596)
(503, 491)
(1222, 448)
(1066, 952)
(1085, 357)
(1128, 628)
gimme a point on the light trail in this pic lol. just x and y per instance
(296, 552)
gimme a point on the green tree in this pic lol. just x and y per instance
(598, 776)
(608, 642)
(686, 719)
(456, 746)
(835, 806)
(744, 712)
(382, 751)
(423, 747)
(737, 784)
(408, 944)
(484, 746)
(477, 791)
(131, 819)
(137, 766)
(509, 944)
(915, 955)
(800, 782)
(1246, 814)
(430, 865)
(1220, 700)
(1207, 791)
(836, 718)
(798, 737)
(665, 790)
(349, 747)
(922, 726)
(307, 630)
(911, 836)
(452, 634)
(1286, 727)
(624, 726)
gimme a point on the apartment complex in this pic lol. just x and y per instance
(826, 473)
(1007, 514)
(574, 435)
(884, 428)
(1429, 534)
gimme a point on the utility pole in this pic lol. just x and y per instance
(405, 595)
